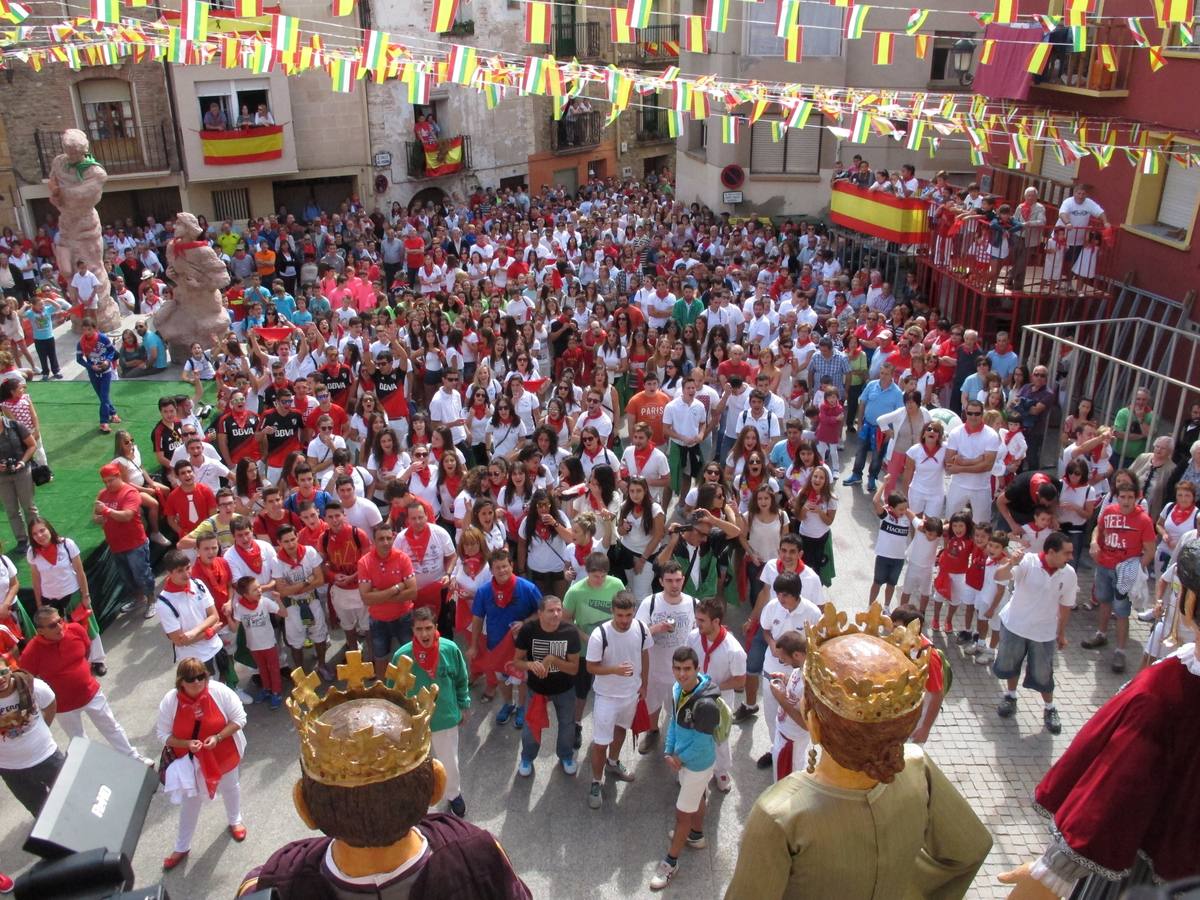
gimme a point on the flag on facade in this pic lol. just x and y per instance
(416, 80)
(444, 13)
(883, 48)
(637, 15)
(787, 17)
(793, 45)
(1150, 162)
(1187, 36)
(231, 52)
(860, 128)
(342, 74)
(374, 50)
(176, 46)
(1037, 59)
(716, 15)
(285, 33)
(1139, 35)
(1108, 59)
(760, 107)
(916, 131)
(856, 18)
(1006, 12)
(106, 11)
(248, 9)
(916, 18)
(841, 3)
(343, 7)
(193, 20)
(537, 22)
(1176, 11)
(778, 130)
(983, 18)
(14, 12)
(1078, 38)
(618, 31)
(1157, 60)
(729, 129)
(674, 123)
(798, 117)
(694, 39)
(921, 45)
(988, 51)
(463, 62)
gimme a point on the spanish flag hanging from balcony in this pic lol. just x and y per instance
(444, 12)
(537, 22)
(443, 157)
(618, 30)
(243, 145)
(884, 45)
(694, 40)
(904, 220)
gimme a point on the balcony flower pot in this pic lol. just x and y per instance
(465, 27)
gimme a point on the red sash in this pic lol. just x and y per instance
(222, 758)
(418, 543)
(427, 657)
(253, 558)
(709, 651)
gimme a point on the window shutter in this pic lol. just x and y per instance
(804, 149)
(1051, 168)
(104, 90)
(823, 37)
(766, 155)
(1181, 191)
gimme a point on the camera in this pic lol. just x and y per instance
(12, 463)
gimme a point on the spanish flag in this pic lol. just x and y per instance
(251, 9)
(1037, 59)
(693, 35)
(1108, 59)
(1177, 11)
(343, 7)
(793, 45)
(444, 12)
(444, 157)
(1006, 12)
(921, 45)
(618, 29)
(537, 22)
(244, 145)
(883, 48)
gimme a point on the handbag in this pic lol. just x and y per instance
(41, 474)
(170, 754)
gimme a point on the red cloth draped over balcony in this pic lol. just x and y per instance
(904, 220)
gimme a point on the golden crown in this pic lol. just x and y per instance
(866, 699)
(366, 755)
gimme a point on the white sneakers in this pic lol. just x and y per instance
(663, 875)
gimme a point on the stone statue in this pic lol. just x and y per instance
(76, 185)
(875, 816)
(195, 311)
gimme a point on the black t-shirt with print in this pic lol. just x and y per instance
(538, 644)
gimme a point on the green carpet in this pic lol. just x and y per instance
(75, 449)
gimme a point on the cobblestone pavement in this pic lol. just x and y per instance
(560, 846)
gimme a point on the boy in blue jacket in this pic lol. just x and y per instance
(691, 751)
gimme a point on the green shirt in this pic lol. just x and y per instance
(687, 313)
(453, 689)
(211, 526)
(1132, 445)
(591, 606)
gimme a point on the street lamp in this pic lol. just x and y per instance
(961, 57)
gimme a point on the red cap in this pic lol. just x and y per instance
(108, 470)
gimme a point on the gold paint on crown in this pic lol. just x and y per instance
(366, 756)
(866, 699)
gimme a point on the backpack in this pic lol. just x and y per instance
(355, 532)
(721, 732)
(604, 637)
(695, 604)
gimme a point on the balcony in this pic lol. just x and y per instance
(1010, 185)
(143, 150)
(447, 157)
(1084, 73)
(652, 126)
(656, 45)
(579, 40)
(571, 133)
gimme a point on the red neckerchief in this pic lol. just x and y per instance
(479, 409)
(595, 415)
(928, 455)
(1098, 453)
(427, 657)
(252, 558)
(752, 482)
(453, 484)
(1010, 434)
(710, 650)
(503, 595)
(595, 504)
(437, 453)
(425, 474)
(1042, 560)
(473, 565)
(813, 497)
(88, 342)
(240, 417)
(49, 553)
(1180, 514)
(582, 551)
(542, 530)
(556, 424)
(418, 541)
(388, 462)
(592, 456)
(978, 428)
(221, 758)
(245, 603)
(641, 457)
(294, 563)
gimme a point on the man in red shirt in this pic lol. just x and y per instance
(341, 545)
(326, 407)
(274, 516)
(414, 255)
(58, 654)
(1124, 532)
(389, 586)
(190, 503)
(118, 508)
(736, 366)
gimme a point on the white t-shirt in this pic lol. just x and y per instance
(684, 614)
(812, 525)
(320, 451)
(929, 472)
(32, 743)
(892, 540)
(776, 621)
(973, 446)
(506, 435)
(448, 407)
(787, 727)
(282, 570)
(187, 610)
(58, 580)
(727, 660)
(365, 515)
(238, 568)
(657, 466)
(922, 551)
(432, 566)
(1032, 612)
(1077, 216)
(623, 647)
(811, 588)
(256, 623)
(686, 419)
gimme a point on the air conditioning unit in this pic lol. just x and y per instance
(627, 172)
(624, 147)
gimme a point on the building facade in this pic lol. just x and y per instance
(791, 176)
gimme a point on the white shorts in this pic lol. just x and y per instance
(918, 581)
(925, 504)
(691, 789)
(658, 693)
(960, 594)
(352, 613)
(982, 602)
(295, 631)
(610, 713)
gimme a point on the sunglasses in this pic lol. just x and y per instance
(193, 679)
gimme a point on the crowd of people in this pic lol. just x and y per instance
(538, 443)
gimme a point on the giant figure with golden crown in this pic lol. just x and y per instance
(873, 816)
(366, 782)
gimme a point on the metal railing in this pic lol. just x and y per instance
(417, 164)
(658, 43)
(1085, 72)
(581, 40)
(573, 132)
(143, 149)
(652, 125)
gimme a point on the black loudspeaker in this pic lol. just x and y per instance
(99, 801)
(91, 875)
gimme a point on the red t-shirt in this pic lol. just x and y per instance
(264, 524)
(1122, 536)
(334, 412)
(193, 508)
(342, 549)
(64, 666)
(376, 574)
(311, 537)
(123, 536)
(414, 251)
(731, 369)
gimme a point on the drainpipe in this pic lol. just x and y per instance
(175, 126)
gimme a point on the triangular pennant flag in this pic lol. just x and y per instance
(921, 45)
(798, 117)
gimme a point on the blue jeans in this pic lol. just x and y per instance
(383, 634)
(564, 711)
(102, 384)
(135, 570)
(866, 444)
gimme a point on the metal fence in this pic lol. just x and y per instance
(143, 149)
(574, 131)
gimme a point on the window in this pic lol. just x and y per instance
(798, 153)
(231, 204)
(239, 103)
(697, 135)
(1175, 45)
(1163, 205)
(941, 64)
(1051, 168)
(107, 107)
(822, 25)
